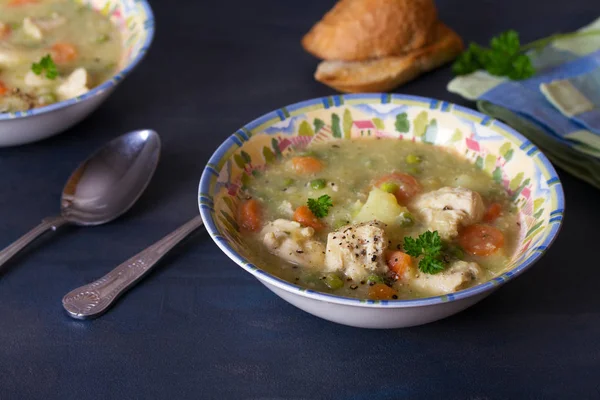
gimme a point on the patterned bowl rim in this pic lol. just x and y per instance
(113, 81)
(206, 211)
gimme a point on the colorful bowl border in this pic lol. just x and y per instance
(119, 76)
(206, 210)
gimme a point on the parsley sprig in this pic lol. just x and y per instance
(428, 245)
(506, 56)
(502, 58)
(320, 207)
(46, 64)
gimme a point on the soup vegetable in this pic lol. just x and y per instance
(52, 50)
(379, 219)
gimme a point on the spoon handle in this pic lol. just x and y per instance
(93, 299)
(52, 223)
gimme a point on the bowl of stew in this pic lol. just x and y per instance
(60, 59)
(380, 210)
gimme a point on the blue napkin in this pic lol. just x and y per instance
(563, 97)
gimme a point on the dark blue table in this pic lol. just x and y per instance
(202, 328)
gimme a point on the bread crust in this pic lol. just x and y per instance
(359, 30)
(386, 73)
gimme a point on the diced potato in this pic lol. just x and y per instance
(380, 206)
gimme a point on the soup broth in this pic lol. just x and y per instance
(383, 198)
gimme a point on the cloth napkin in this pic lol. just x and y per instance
(558, 109)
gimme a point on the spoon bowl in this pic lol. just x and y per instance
(103, 187)
(110, 181)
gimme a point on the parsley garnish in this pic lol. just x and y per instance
(506, 56)
(428, 245)
(320, 207)
(503, 58)
(45, 64)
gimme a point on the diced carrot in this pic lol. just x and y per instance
(15, 3)
(4, 30)
(250, 215)
(408, 186)
(481, 240)
(63, 53)
(493, 212)
(3, 89)
(398, 262)
(380, 291)
(306, 165)
(304, 216)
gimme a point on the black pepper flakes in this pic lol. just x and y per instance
(374, 257)
(375, 239)
(446, 208)
(299, 251)
(349, 279)
(354, 236)
(343, 237)
(363, 252)
(399, 246)
(394, 296)
(353, 287)
(362, 282)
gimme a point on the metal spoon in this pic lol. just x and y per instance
(95, 298)
(103, 187)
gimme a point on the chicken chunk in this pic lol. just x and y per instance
(357, 250)
(459, 275)
(447, 209)
(36, 81)
(75, 85)
(294, 243)
(9, 56)
(31, 29)
(50, 22)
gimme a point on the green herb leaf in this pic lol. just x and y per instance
(428, 245)
(505, 57)
(320, 207)
(46, 64)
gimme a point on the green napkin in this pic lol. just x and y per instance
(578, 164)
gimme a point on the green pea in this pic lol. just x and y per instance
(47, 98)
(339, 223)
(454, 251)
(288, 181)
(413, 159)
(256, 173)
(102, 38)
(458, 252)
(407, 220)
(389, 187)
(333, 281)
(414, 171)
(374, 279)
(318, 184)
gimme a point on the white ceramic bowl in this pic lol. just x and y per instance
(510, 158)
(135, 21)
